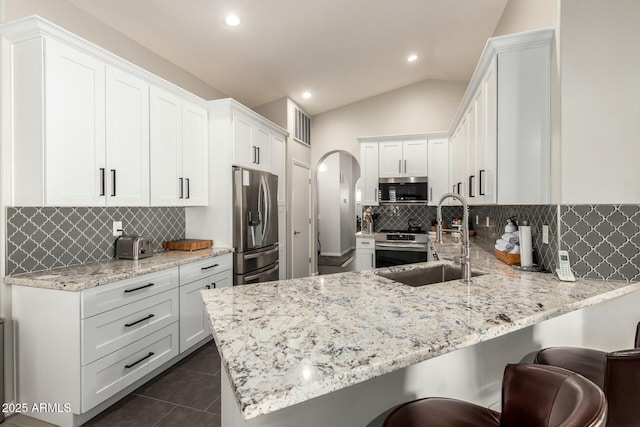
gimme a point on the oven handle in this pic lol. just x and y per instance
(402, 247)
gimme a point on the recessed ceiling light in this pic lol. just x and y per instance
(306, 95)
(412, 58)
(232, 20)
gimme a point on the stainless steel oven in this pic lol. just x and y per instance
(397, 247)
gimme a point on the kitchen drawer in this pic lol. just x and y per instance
(365, 242)
(114, 329)
(107, 376)
(106, 297)
(205, 268)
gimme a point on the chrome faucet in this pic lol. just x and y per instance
(464, 259)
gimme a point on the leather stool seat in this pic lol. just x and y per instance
(585, 361)
(616, 373)
(437, 411)
(532, 396)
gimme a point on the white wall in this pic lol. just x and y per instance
(328, 206)
(84, 25)
(525, 15)
(427, 106)
(600, 95)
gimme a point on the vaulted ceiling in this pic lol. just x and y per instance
(341, 51)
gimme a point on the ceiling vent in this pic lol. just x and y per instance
(303, 127)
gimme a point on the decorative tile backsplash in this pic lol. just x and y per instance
(537, 215)
(40, 238)
(396, 217)
(603, 240)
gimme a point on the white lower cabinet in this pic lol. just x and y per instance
(110, 374)
(365, 253)
(89, 348)
(194, 319)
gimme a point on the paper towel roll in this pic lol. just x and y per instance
(526, 247)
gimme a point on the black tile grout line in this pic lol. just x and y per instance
(165, 415)
(198, 372)
(178, 404)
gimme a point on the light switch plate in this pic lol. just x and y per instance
(545, 234)
(117, 225)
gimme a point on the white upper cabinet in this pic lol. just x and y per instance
(369, 173)
(127, 135)
(503, 125)
(82, 126)
(195, 169)
(438, 169)
(58, 105)
(403, 158)
(251, 143)
(179, 153)
(415, 155)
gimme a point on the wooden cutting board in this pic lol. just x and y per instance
(187, 244)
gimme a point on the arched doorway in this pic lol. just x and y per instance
(337, 173)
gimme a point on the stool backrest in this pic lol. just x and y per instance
(547, 396)
(622, 387)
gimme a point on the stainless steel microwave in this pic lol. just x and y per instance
(404, 190)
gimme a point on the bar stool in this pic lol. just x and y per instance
(532, 396)
(616, 373)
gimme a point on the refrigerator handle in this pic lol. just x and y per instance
(267, 207)
(255, 276)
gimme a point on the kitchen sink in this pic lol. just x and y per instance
(428, 275)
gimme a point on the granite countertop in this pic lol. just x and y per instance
(85, 276)
(286, 342)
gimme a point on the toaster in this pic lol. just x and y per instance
(133, 247)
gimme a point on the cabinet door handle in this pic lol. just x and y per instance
(375, 194)
(138, 288)
(211, 266)
(481, 182)
(102, 182)
(471, 179)
(151, 353)
(459, 185)
(128, 325)
(113, 182)
(399, 166)
(188, 191)
(373, 261)
(405, 166)
(212, 284)
(258, 150)
(431, 194)
(253, 153)
(181, 195)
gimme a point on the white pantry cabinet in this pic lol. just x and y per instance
(179, 149)
(403, 158)
(251, 142)
(501, 134)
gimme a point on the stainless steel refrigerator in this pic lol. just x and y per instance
(255, 226)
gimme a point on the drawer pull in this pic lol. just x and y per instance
(127, 325)
(210, 286)
(151, 353)
(138, 288)
(211, 266)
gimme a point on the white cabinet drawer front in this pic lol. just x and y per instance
(365, 243)
(205, 268)
(107, 376)
(114, 329)
(102, 298)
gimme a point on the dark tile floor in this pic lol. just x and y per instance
(187, 394)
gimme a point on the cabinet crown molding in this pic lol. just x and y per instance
(493, 47)
(416, 136)
(34, 26)
(225, 104)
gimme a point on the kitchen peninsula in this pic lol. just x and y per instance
(341, 349)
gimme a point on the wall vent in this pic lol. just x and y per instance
(303, 127)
